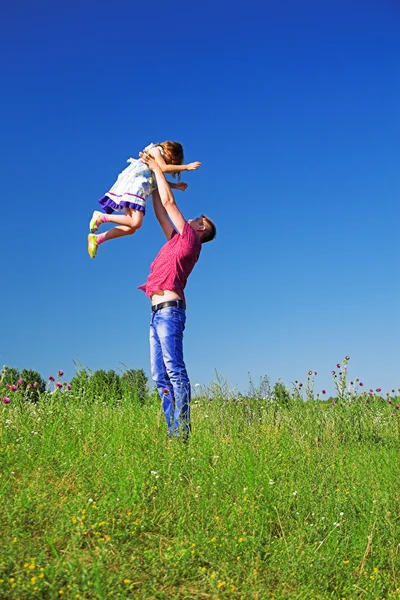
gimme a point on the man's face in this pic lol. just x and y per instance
(198, 223)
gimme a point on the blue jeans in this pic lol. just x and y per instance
(168, 368)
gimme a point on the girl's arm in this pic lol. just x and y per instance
(156, 154)
(178, 186)
(193, 166)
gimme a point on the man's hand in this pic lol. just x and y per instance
(149, 160)
(193, 166)
(182, 186)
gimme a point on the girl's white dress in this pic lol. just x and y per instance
(133, 186)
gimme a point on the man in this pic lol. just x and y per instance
(165, 287)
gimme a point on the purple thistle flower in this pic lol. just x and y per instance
(324, 391)
(333, 372)
(347, 357)
(338, 366)
(20, 381)
(397, 407)
(35, 384)
(6, 400)
(60, 373)
(69, 387)
(51, 378)
(389, 401)
(361, 383)
(28, 387)
(378, 389)
(59, 385)
(14, 388)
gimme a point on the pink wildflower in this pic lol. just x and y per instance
(324, 391)
(347, 357)
(35, 384)
(69, 387)
(14, 388)
(60, 373)
(6, 400)
(20, 381)
(51, 378)
(59, 385)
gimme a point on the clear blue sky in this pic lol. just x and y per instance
(293, 111)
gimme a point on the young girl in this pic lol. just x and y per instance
(131, 190)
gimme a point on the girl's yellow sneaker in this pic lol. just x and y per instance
(92, 245)
(95, 221)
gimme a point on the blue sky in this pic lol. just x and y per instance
(293, 111)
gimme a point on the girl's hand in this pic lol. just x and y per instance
(181, 186)
(193, 166)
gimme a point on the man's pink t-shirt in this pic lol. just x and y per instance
(174, 263)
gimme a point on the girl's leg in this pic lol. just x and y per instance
(134, 220)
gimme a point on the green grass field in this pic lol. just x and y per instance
(267, 500)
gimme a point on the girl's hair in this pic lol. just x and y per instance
(173, 154)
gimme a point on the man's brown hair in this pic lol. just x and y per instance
(210, 233)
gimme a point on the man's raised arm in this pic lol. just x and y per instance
(165, 196)
(162, 216)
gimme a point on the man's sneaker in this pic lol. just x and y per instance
(92, 245)
(95, 221)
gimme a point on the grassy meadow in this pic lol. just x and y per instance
(271, 498)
